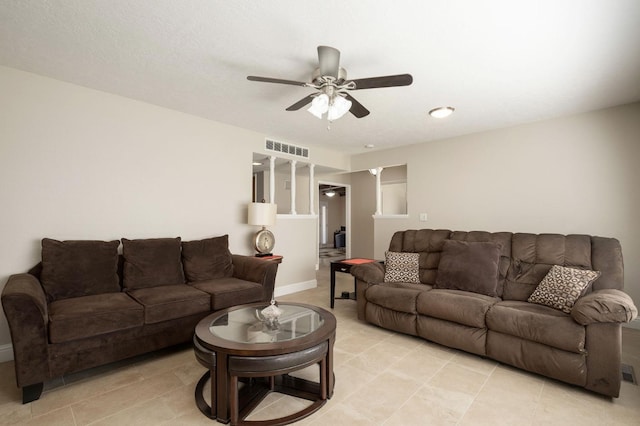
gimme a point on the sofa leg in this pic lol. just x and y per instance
(32, 392)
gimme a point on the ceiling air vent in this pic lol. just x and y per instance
(286, 148)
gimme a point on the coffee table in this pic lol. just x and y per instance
(236, 346)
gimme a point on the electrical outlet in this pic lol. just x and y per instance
(423, 217)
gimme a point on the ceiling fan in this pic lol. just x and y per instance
(330, 81)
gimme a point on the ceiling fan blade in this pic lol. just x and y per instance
(302, 102)
(357, 108)
(386, 81)
(329, 60)
(275, 80)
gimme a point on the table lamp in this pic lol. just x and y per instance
(263, 214)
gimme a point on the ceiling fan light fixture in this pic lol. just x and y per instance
(338, 108)
(330, 193)
(319, 105)
(441, 112)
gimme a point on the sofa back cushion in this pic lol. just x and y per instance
(79, 268)
(469, 266)
(430, 243)
(606, 257)
(207, 259)
(427, 242)
(533, 256)
(525, 259)
(152, 262)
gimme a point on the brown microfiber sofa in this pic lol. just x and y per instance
(85, 305)
(454, 303)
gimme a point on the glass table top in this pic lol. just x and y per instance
(248, 325)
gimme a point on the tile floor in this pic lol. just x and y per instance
(382, 378)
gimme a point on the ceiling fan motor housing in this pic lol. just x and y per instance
(319, 79)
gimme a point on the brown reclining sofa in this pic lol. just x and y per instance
(483, 293)
(85, 305)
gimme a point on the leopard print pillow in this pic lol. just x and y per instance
(562, 286)
(402, 267)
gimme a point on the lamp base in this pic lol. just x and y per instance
(263, 254)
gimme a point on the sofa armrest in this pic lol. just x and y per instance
(25, 306)
(261, 271)
(608, 305)
(369, 272)
(366, 275)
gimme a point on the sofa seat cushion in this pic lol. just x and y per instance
(227, 292)
(400, 297)
(167, 302)
(537, 323)
(89, 316)
(458, 306)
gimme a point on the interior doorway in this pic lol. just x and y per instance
(333, 221)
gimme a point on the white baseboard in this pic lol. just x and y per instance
(6, 352)
(635, 324)
(295, 287)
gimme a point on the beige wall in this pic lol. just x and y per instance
(76, 163)
(570, 175)
(283, 192)
(336, 214)
(296, 238)
(363, 202)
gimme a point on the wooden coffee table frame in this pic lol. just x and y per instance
(263, 368)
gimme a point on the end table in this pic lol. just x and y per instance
(345, 266)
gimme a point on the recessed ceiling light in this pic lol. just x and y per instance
(369, 146)
(256, 163)
(441, 112)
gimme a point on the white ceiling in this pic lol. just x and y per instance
(499, 63)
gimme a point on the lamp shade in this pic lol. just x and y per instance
(262, 214)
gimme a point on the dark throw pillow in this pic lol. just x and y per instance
(152, 262)
(207, 259)
(79, 268)
(469, 266)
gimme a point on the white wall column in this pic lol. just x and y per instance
(272, 179)
(293, 187)
(311, 189)
(378, 192)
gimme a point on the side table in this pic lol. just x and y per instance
(274, 258)
(345, 266)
